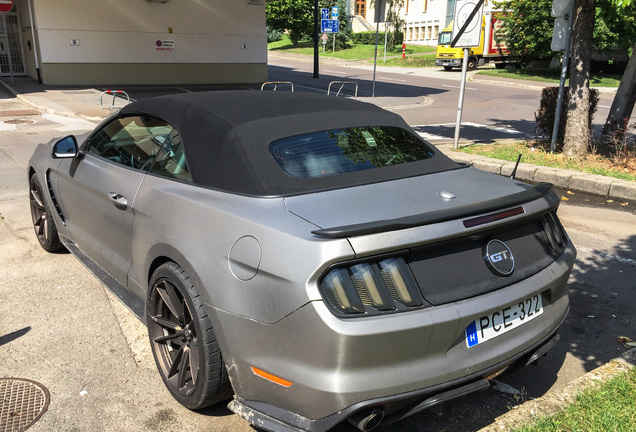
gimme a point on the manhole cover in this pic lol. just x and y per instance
(22, 403)
(18, 121)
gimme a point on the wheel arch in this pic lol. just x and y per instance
(162, 253)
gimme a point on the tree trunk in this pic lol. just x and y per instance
(623, 103)
(577, 130)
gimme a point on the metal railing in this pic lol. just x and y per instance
(342, 84)
(276, 83)
(115, 94)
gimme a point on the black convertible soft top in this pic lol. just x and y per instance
(226, 136)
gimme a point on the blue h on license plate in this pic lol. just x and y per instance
(501, 321)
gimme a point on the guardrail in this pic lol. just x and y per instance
(276, 83)
(342, 84)
(115, 94)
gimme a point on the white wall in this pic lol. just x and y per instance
(125, 31)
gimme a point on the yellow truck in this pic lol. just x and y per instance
(492, 47)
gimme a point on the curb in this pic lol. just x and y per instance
(578, 181)
(552, 403)
(48, 110)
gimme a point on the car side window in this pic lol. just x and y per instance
(132, 141)
(171, 159)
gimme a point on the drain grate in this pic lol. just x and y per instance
(22, 403)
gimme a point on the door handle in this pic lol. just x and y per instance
(118, 200)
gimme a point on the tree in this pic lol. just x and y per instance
(393, 17)
(393, 20)
(623, 104)
(296, 17)
(528, 28)
(601, 26)
(577, 131)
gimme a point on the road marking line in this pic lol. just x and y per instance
(498, 129)
(428, 136)
(393, 79)
(477, 125)
(457, 87)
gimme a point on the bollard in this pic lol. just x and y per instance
(403, 50)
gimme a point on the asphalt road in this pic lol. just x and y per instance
(59, 327)
(508, 111)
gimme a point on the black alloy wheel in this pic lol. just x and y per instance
(43, 224)
(183, 341)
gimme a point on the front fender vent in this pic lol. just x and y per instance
(58, 210)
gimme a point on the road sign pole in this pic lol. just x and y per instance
(375, 56)
(460, 104)
(564, 71)
(385, 42)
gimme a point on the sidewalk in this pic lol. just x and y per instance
(84, 103)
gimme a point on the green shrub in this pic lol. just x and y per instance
(547, 113)
(273, 35)
(367, 38)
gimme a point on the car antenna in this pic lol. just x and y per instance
(514, 171)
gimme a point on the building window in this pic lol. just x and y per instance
(435, 32)
(361, 8)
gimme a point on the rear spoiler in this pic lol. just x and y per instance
(538, 191)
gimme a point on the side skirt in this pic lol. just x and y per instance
(131, 301)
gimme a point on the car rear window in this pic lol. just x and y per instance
(338, 151)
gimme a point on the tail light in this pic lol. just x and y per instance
(555, 235)
(371, 288)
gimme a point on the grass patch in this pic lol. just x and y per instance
(422, 60)
(612, 407)
(356, 52)
(538, 154)
(550, 76)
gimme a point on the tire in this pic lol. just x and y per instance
(183, 342)
(448, 68)
(42, 218)
(472, 64)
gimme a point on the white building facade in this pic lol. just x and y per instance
(424, 19)
(92, 42)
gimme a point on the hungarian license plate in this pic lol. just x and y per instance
(501, 321)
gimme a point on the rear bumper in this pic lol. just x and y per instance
(340, 367)
(393, 408)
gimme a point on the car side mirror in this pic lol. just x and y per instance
(65, 148)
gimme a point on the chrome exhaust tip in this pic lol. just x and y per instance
(367, 420)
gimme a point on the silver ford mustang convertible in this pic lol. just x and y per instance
(307, 258)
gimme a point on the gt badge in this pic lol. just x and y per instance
(498, 257)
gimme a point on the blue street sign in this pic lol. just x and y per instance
(334, 12)
(330, 26)
(324, 13)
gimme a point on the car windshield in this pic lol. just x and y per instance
(444, 38)
(338, 151)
